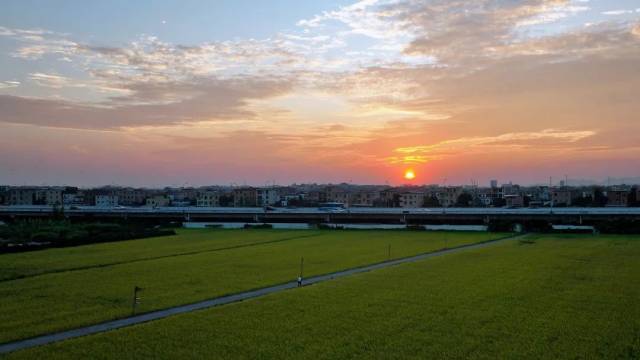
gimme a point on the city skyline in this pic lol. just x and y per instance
(158, 94)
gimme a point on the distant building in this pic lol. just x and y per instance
(73, 196)
(69, 199)
(312, 198)
(49, 196)
(485, 196)
(411, 199)
(267, 197)
(388, 198)
(617, 197)
(106, 200)
(336, 194)
(131, 196)
(208, 199)
(22, 196)
(561, 196)
(245, 197)
(494, 184)
(4, 195)
(158, 201)
(365, 198)
(183, 195)
(514, 201)
(448, 196)
(510, 189)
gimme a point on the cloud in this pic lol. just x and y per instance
(547, 138)
(377, 19)
(460, 37)
(9, 84)
(509, 139)
(617, 12)
(35, 43)
(210, 100)
(50, 80)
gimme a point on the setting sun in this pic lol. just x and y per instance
(409, 174)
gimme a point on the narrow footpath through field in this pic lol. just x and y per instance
(155, 315)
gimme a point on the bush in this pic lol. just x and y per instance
(618, 226)
(416, 227)
(258, 226)
(64, 233)
(45, 237)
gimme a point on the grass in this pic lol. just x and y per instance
(20, 265)
(91, 291)
(552, 297)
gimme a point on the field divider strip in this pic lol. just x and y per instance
(232, 298)
(115, 263)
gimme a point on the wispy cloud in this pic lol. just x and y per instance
(9, 84)
(617, 12)
(503, 142)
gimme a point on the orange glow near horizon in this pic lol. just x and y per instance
(409, 174)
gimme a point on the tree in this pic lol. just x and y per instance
(464, 200)
(582, 201)
(599, 199)
(396, 200)
(226, 200)
(499, 202)
(431, 201)
(633, 197)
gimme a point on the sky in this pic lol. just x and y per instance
(190, 93)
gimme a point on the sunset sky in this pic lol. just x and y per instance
(155, 93)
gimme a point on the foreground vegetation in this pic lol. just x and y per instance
(39, 234)
(545, 297)
(188, 242)
(90, 284)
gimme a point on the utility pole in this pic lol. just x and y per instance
(444, 188)
(136, 299)
(550, 195)
(301, 266)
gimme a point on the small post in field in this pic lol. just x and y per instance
(136, 299)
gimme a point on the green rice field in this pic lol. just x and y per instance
(541, 297)
(57, 289)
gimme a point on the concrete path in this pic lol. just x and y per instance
(159, 314)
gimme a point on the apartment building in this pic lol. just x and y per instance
(365, 198)
(131, 196)
(208, 199)
(267, 197)
(448, 196)
(106, 200)
(158, 201)
(22, 196)
(245, 197)
(514, 201)
(561, 196)
(411, 199)
(617, 197)
(337, 195)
